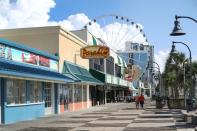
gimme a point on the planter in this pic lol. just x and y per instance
(176, 103)
(159, 105)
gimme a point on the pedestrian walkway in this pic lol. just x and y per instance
(109, 117)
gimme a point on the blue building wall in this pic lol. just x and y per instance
(23, 112)
(15, 113)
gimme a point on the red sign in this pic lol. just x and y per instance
(44, 61)
(29, 58)
(94, 52)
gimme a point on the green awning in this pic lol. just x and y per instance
(98, 75)
(79, 74)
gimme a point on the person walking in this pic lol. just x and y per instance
(141, 100)
(136, 99)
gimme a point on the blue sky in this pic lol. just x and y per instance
(156, 17)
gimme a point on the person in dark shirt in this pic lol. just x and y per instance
(136, 99)
(141, 100)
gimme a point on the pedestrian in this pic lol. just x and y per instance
(136, 99)
(141, 100)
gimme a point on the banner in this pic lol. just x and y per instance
(44, 61)
(26, 57)
(30, 58)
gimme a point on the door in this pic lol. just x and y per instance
(66, 98)
(48, 98)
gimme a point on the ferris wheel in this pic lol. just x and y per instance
(115, 30)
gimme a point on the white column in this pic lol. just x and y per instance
(52, 99)
(105, 66)
(73, 89)
(88, 96)
(105, 97)
(82, 96)
(115, 95)
(150, 91)
(59, 98)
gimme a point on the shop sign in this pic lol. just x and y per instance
(94, 52)
(26, 57)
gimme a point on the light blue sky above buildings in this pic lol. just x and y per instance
(156, 17)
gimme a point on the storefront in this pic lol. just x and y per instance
(64, 44)
(77, 95)
(29, 82)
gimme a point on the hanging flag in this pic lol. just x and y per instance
(94, 41)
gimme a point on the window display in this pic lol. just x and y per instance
(15, 91)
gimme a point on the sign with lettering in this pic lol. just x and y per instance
(18, 55)
(94, 52)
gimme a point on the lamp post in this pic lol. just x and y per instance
(177, 31)
(160, 83)
(159, 73)
(191, 94)
(186, 60)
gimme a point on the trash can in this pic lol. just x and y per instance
(189, 102)
(159, 104)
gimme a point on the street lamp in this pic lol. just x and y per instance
(160, 83)
(177, 31)
(159, 73)
(158, 67)
(153, 75)
(191, 94)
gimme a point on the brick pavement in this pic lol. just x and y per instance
(109, 117)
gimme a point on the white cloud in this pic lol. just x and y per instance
(32, 13)
(161, 57)
(25, 13)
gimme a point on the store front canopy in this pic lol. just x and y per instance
(12, 69)
(99, 75)
(79, 74)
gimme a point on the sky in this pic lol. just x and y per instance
(155, 17)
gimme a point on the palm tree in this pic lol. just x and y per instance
(173, 75)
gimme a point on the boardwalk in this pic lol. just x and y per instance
(109, 117)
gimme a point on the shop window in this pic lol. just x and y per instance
(91, 63)
(84, 93)
(64, 94)
(117, 71)
(109, 67)
(15, 91)
(135, 47)
(61, 94)
(47, 94)
(35, 91)
(78, 93)
(70, 93)
(141, 47)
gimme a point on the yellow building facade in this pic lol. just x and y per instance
(64, 44)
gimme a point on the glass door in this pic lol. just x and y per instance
(48, 98)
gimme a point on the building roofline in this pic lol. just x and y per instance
(27, 48)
